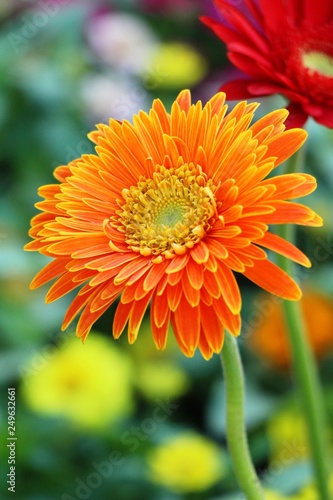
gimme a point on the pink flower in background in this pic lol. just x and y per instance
(122, 40)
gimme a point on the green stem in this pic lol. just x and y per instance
(305, 368)
(307, 378)
(236, 433)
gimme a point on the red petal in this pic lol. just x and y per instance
(237, 89)
(297, 116)
(317, 13)
(273, 14)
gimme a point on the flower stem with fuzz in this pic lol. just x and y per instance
(236, 434)
(304, 364)
(307, 377)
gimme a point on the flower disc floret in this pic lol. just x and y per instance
(168, 213)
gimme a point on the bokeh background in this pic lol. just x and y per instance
(107, 420)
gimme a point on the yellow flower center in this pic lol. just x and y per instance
(319, 62)
(168, 213)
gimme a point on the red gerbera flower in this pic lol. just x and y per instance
(164, 213)
(284, 47)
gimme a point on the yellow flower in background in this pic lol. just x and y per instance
(273, 495)
(161, 378)
(144, 349)
(287, 437)
(157, 374)
(186, 463)
(176, 65)
(310, 492)
(307, 493)
(90, 385)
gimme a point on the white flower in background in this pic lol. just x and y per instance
(108, 96)
(122, 40)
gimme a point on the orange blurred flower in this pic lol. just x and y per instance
(164, 213)
(270, 339)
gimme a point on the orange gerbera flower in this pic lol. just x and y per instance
(164, 213)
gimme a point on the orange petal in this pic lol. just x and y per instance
(274, 121)
(120, 318)
(232, 322)
(229, 288)
(273, 279)
(65, 284)
(78, 304)
(136, 316)
(192, 294)
(49, 272)
(160, 334)
(186, 325)
(283, 247)
(291, 186)
(204, 347)
(285, 145)
(184, 100)
(211, 284)
(212, 328)
(85, 245)
(287, 212)
(159, 309)
(177, 263)
(88, 318)
(195, 274)
(154, 275)
(174, 294)
(128, 271)
(200, 252)
(217, 248)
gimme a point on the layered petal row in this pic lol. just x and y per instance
(165, 213)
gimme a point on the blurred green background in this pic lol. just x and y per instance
(107, 420)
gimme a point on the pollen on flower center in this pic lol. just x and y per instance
(318, 62)
(168, 213)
